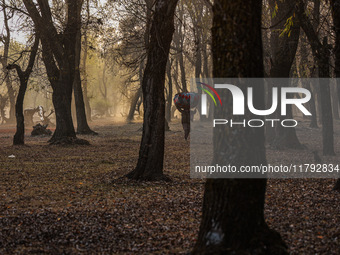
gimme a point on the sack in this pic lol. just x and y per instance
(187, 100)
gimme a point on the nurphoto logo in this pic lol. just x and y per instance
(239, 99)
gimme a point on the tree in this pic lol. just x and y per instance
(23, 77)
(134, 36)
(335, 5)
(3, 103)
(233, 209)
(151, 152)
(284, 41)
(169, 91)
(303, 71)
(321, 53)
(59, 56)
(84, 63)
(6, 39)
(179, 44)
(82, 125)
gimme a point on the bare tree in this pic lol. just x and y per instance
(23, 77)
(84, 63)
(321, 53)
(59, 56)
(151, 152)
(6, 39)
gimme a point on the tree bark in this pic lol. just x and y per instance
(151, 152)
(233, 209)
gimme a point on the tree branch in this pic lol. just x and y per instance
(308, 29)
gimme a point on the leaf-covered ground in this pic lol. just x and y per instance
(71, 200)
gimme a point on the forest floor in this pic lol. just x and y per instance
(71, 199)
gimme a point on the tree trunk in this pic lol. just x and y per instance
(198, 57)
(337, 185)
(62, 98)
(82, 125)
(335, 104)
(151, 153)
(86, 98)
(316, 89)
(303, 70)
(283, 48)
(59, 56)
(133, 105)
(335, 5)
(314, 120)
(183, 75)
(4, 61)
(3, 103)
(178, 40)
(136, 97)
(175, 77)
(62, 84)
(233, 209)
(169, 95)
(19, 136)
(321, 53)
(84, 71)
(326, 107)
(206, 73)
(11, 97)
